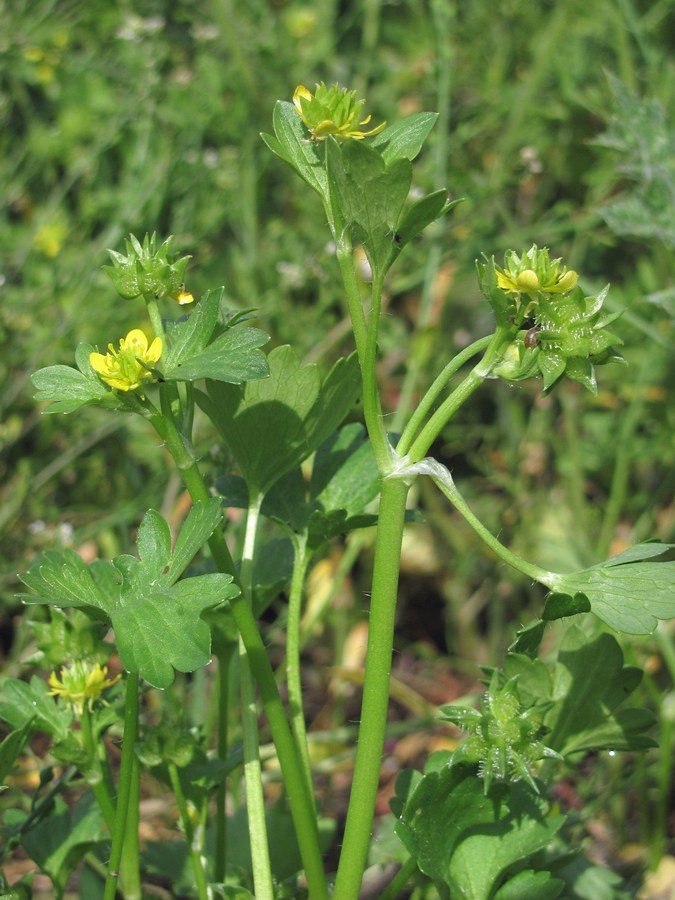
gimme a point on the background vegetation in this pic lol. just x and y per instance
(140, 117)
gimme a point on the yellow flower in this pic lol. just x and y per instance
(126, 368)
(332, 111)
(534, 272)
(81, 683)
(182, 297)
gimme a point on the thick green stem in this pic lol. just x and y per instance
(293, 675)
(255, 801)
(300, 801)
(375, 690)
(365, 337)
(130, 874)
(124, 786)
(194, 849)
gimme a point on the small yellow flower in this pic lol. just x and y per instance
(332, 111)
(541, 275)
(126, 368)
(81, 683)
(182, 297)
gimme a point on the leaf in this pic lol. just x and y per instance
(628, 594)
(191, 336)
(30, 706)
(530, 885)
(294, 146)
(158, 624)
(11, 748)
(404, 139)
(368, 196)
(560, 606)
(58, 842)
(200, 524)
(344, 480)
(233, 357)
(422, 213)
(67, 389)
(465, 840)
(271, 426)
(590, 682)
(157, 631)
(63, 579)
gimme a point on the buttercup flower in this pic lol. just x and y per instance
(534, 272)
(81, 683)
(332, 111)
(126, 368)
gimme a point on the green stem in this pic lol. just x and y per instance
(365, 337)
(97, 779)
(429, 432)
(300, 800)
(220, 860)
(195, 851)
(432, 395)
(293, 676)
(403, 876)
(125, 784)
(255, 801)
(154, 314)
(442, 478)
(130, 875)
(375, 690)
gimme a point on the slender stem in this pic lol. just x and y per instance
(195, 851)
(255, 801)
(447, 486)
(220, 860)
(402, 877)
(154, 314)
(375, 691)
(428, 434)
(425, 404)
(293, 675)
(124, 787)
(300, 801)
(95, 774)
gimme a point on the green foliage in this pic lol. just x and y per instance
(627, 593)
(156, 618)
(466, 840)
(271, 426)
(642, 140)
(112, 122)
